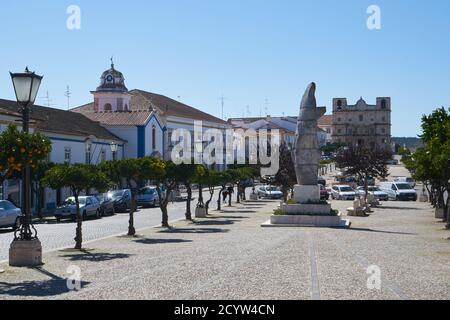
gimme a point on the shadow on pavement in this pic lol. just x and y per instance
(161, 241)
(43, 288)
(398, 208)
(85, 255)
(382, 231)
(195, 230)
(215, 222)
(238, 211)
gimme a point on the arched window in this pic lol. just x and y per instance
(153, 137)
(107, 107)
(383, 104)
(339, 104)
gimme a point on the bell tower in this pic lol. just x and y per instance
(112, 94)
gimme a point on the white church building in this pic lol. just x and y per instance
(118, 124)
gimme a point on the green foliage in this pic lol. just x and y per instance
(18, 148)
(77, 177)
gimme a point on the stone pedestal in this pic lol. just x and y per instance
(308, 211)
(439, 213)
(358, 209)
(25, 253)
(200, 212)
(423, 198)
(307, 194)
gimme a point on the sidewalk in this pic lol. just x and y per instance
(229, 256)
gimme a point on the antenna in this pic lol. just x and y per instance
(47, 100)
(266, 106)
(247, 108)
(222, 100)
(67, 94)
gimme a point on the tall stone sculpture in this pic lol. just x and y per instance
(307, 209)
(307, 149)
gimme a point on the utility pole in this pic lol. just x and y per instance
(266, 107)
(67, 94)
(222, 100)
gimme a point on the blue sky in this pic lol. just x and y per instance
(247, 50)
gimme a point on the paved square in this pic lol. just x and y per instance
(229, 256)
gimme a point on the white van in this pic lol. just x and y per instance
(409, 180)
(401, 191)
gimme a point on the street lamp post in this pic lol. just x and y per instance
(200, 210)
(26, 249)
(114, 148)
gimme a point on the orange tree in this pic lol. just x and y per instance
(77, 177)
(18, 148)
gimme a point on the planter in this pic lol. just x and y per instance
(200, 212)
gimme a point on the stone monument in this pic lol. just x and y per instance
(308, 209)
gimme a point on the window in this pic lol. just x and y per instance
(383, 130)
(339, 130)
(67, 154)
(107, 107)
(153, 137)
(383, 119)
(328, 130)
(383, 104)
(103, 155)
(361, 117)
(88, 153)
(339, 119)
(339, 104)
(350, 131)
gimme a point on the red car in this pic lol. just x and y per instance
(324, 195)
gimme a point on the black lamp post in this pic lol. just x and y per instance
(114, 148)
(26, 87)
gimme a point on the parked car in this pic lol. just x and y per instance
(106, 204)
(89, 206)
(324, 195)
(9, 215)
(400, 191)
(375, 191)
(269, 192)
(370, 182)
(321, 181)
(147, 197)
(409, 180)
(393, 162)
(343, 192)
(121, 199)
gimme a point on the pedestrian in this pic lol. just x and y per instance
(224, 196)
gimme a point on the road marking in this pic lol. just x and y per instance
(315, 287)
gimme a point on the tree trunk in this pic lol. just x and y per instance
(219, 201)
(238, 194)
(188, 202)
(78, 233)
(230, 196)
(211, 193)
(131, 229)
(285, 193)
(163, 206)
(244, 197)
(366, 188)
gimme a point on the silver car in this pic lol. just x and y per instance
(375, 191)
(89, 207)
(9, 215)
(269, 192)
(343, 192)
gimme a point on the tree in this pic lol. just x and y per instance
(364, 163)
(186, 179)
(212, 181)
(37, 175)
(77, 177)
(431, 164)
(286, 177)
(18, 148)
(201, 178)
(131, 171)
(167, 175)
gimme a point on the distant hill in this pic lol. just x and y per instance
(410, 142)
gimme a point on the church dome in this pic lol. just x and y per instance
(112, 80)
